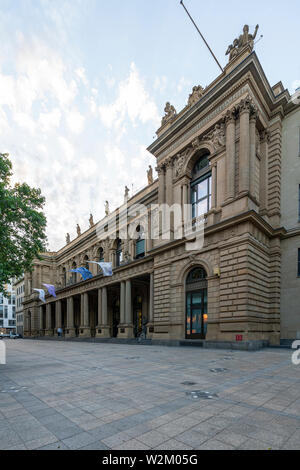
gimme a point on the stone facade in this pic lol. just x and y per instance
(290, 219)
(237, 124)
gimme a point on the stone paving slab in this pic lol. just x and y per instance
(76, 395)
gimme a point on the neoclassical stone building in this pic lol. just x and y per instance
(222, 155)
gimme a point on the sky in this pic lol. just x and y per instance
(83, 86)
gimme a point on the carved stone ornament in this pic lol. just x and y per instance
(197, 93)
(239, 44)
(216, 137)
(170, 114)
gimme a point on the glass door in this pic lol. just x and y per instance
(196, 314)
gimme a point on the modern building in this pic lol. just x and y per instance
(225, 157)
(19, 288)
(8, 310)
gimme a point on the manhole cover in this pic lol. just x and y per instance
(197, 394)
(131, 358)
(188, 383)
(218, 370)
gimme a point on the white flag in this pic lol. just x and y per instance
(106, 267)
(41, 294)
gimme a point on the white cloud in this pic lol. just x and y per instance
(75, 121)
(50, 121)
(132, 101)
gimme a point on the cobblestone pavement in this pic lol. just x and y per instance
(76, 395)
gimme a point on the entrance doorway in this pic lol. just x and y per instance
(115, 317)
(196, 304)
(137, 316)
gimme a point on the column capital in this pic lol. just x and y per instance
(230, 116)
(160, 169)
(265, 136)
(245, 105)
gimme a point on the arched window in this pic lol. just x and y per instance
(101, 255)
(86, 262)
(119, 254)
(73, 277)
(64, 277)
(196, 304)
(140, 243)
(201, 186)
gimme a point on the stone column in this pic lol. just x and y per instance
(70, 330)
(169, 182)
(151, 303)
(127, 330)
(122, 303)
(103, 329)
(85, 330)
(244, 157)
(49, 330)
(161, 184)
(214, 197)
(253, 119)
(58, 319)
(99, 307)
(41, 320)
(149, 241)
(104, 306)
(230, 154)
(263, 180)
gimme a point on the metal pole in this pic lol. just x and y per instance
(181, 1)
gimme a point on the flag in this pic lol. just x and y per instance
(51, 289)
(106, 267)
(85, 273)
(41, 294)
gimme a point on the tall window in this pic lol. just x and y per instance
(86, 262)
(73, 277)
(140, 243)
(101, 255)
(299, 262)
(201, 187)
(119, 254)
(100, 259)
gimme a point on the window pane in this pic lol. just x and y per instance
(202, 189)
(202, 207)
(197, 298)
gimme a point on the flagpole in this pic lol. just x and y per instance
(181, 2)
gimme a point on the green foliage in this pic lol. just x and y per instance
(22, 225)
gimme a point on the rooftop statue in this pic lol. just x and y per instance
(78, 230)
(197, 93)
(126, 194)
(91, 220)
(170, 113)
(106, 208)
(244, 40)
(68, 239)
(150, 175)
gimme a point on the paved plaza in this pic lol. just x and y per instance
(77, 395)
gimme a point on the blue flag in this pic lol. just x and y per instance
(51, 289)
(85, 273)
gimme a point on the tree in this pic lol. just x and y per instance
(22, 225)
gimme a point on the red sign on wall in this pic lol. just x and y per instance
(239, 338)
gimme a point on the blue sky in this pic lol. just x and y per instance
(83, 84)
